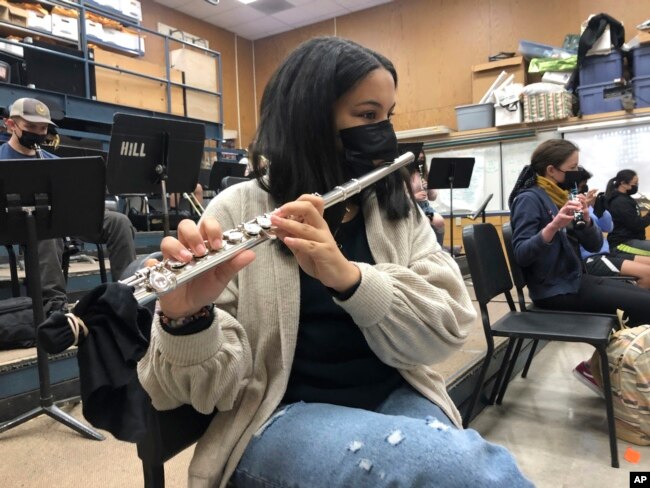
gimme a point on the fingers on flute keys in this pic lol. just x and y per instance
(193, 240)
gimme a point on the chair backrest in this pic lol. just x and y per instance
(487, 263)
(515, 269)
(232, 180)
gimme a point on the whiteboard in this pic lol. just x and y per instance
(516, 155)
(604, 152)
(486, 179)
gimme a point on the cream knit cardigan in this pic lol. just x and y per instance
(412, 307)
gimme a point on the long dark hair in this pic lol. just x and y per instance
(553, 152)
(623, 176)
(297, 130)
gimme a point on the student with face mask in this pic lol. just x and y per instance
(316, 350)
(547, 243)
(628, 237)
(604, 263)
(28, 123)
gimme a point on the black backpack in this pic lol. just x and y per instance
(16, 323)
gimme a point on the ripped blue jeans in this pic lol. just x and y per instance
(407, 442)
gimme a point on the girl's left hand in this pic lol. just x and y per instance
(585, 207)
(301, 226)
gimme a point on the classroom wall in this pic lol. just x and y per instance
(236, 62)
(434, 43)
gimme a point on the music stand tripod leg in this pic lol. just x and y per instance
(36, 293)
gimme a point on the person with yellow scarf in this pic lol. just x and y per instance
(546, 242)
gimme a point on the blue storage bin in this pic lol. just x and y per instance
(641, 89)
(640, 61)
(593, 102)
(601, 69)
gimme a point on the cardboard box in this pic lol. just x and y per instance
(483, 75)
(132, 9)
(94, 30)
(547, 106)
(108, 5)
(36, 20)
(13, 14)
(10, 48)
(67, 27)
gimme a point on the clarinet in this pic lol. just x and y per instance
(578, 216)
(39, 151)
(163, 277)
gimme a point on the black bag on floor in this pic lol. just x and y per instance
(16, 323)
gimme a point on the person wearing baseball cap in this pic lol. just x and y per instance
(28, 124)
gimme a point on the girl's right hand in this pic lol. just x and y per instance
(565, 216)
(203, 290)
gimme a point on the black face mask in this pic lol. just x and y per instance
(633, 190)
(29, 139)
(365, 143)
(571, 179)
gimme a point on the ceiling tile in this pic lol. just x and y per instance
(311, 13)
(233, 17)
(354, 5)
(243, 19)
(172, 3)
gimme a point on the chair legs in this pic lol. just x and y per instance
(479, 386)
(501, 373)
(607, 387)
(533, 348)
(102, 264)
(511, 366)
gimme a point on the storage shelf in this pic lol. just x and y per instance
(8, 29)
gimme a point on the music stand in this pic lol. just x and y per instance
(149, 154)
(481, 209)
(221, 169)
(43, 199)
(450, 173)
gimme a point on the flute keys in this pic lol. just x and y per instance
(264, 222)
(174, 265)
(234, 236)
(252, 229)
(162, 280)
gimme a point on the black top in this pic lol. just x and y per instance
(333, 362)
(628, 223)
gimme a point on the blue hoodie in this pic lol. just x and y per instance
(552, 268)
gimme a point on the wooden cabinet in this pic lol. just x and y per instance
(134, 91)
(200, 71)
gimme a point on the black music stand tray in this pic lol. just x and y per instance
(221, 169)
(450, 173)
(481, 209)
(49, 199)
(154, 155)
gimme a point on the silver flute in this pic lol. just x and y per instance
(163, 277)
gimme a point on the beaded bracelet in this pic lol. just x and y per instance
(205, 311)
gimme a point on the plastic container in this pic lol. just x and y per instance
(477, 116)
(640, 61)
(601, 69)
(536, 50)
(592, 100)
(641, 90)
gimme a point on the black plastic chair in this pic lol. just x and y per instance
(168, 433)
(72, 247)
(490, 277)
(232, 180)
